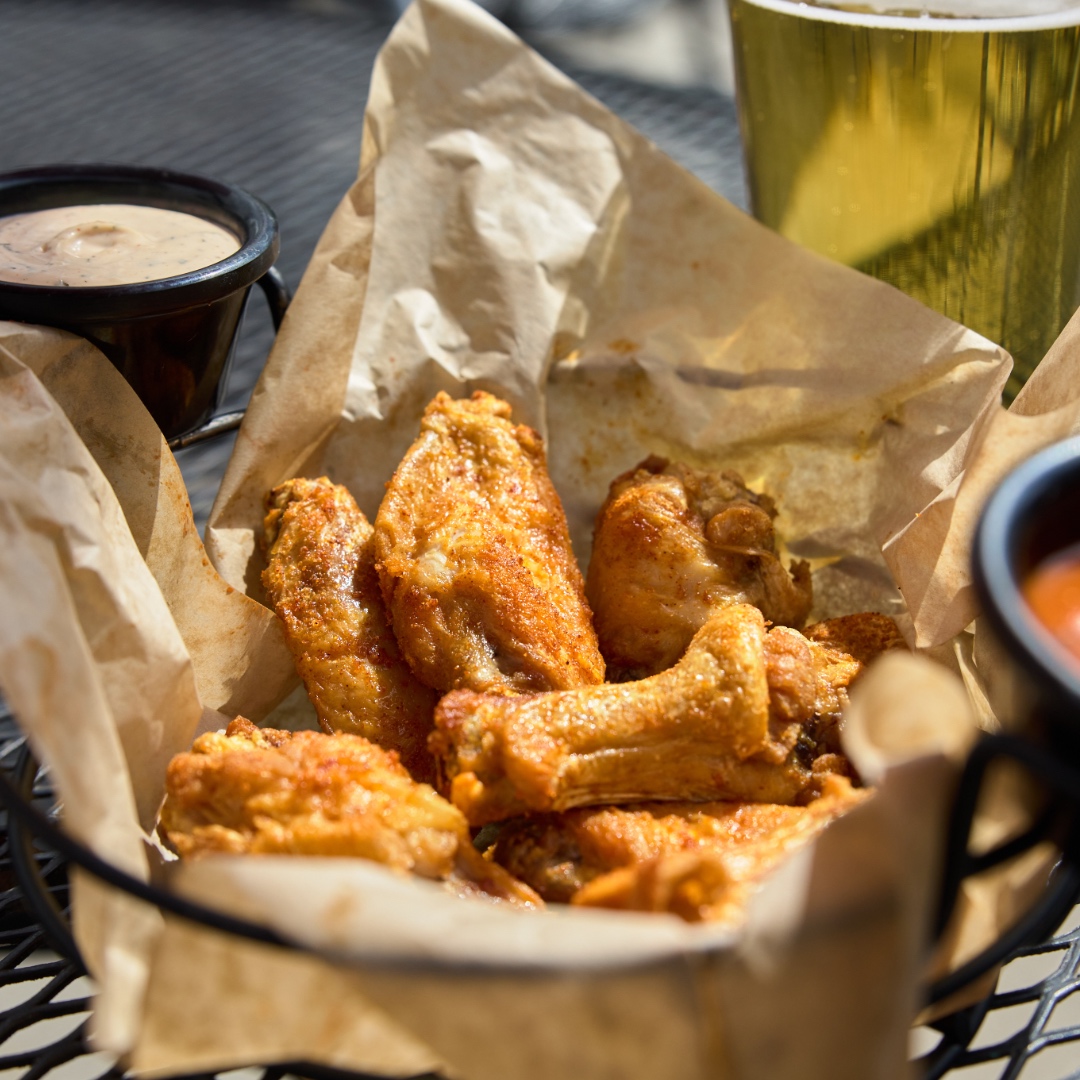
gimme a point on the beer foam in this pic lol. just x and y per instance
(981, 16)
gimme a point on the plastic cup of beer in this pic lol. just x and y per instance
(937, 150)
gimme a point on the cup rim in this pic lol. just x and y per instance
(1002, 532)
(224, 204)
(1049, 20)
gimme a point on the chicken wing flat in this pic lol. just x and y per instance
(322, 583)
(706, 728)
(715, 883)
(673, 543)
(474, 557)
(263, 791)
(697, 860)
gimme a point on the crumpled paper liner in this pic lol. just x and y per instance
(107, 653)
(239, 656)
(505, 232)
(933, 551)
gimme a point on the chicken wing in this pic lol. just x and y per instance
(473, 553)
(322, 583)
(263, 791)
(697, 860)
(671, 544)
(706, 728)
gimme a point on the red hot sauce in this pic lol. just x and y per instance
(1052, 591)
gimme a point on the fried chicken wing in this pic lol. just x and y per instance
(673, 543)
(696, 860)
(704, 729)
(473, 553)
(322, 583)
(714, 883)
(263, 791)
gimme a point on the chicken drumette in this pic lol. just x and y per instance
(263, 791)
(473, 553)
(673, 543)
(745, 714)
(322, 583)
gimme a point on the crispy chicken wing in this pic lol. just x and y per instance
(262, 791)
(322, 583)
(473, 553)
(706, 728)
(672, 543)
(697, 860)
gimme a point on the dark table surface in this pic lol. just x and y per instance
(269, 94)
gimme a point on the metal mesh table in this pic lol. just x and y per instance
(269, 94)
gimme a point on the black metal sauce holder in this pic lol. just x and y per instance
(1031, 515)
(277, 296)
(171, 338)
(1059, 821)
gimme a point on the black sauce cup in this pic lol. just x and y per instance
(172, 339)
(1033, 514)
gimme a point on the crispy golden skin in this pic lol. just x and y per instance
(673, 543)
(263, 791)
(473, 553)
(864, 635)
(707, 728)
(808, 690)
(322, 583)
(696, 860)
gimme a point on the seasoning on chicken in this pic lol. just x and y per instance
(473, 553)
(322, 583)
(696, 860)
(263, 791)
(864, 635)
(673, 543)
(735, 718)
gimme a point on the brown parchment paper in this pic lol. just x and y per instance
(932, 551)
(238, 649)
(505, 232)
(108, 598)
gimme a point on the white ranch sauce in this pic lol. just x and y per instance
(107, 244)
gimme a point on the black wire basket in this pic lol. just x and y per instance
(319, 62)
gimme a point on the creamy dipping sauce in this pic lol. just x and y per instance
(107, 244)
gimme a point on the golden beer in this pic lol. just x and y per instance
(939, 154)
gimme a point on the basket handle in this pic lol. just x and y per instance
(278, 298)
